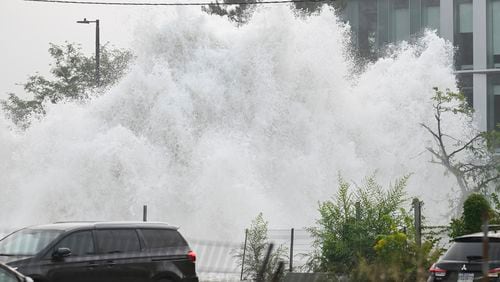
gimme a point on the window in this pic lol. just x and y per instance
(400, 20)
(117, 241)
(463, 251)
(465, 85)
(80, 243)
(493, 101)
(27, 242)
(494, 34)
(463, 34)
(465, 17)
(401, 24)
(6, 276)
(367, 28)
(162, 238)
(430, 14)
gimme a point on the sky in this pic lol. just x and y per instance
(27, 28)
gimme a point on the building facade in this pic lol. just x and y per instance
(472, 25)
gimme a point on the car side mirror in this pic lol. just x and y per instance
(61, 253)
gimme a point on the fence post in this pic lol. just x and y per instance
(417, 209)
(291, 249)
(244, 254)
(485, 264)
(261, 276)
(145, 213)
(279, 272)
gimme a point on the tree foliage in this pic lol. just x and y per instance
(471, 161)
(475, 207)
(240, 11)
(350, 224)
(73, 78)
(398, 258)
(237, 13)
(252, 256)
(366, 234)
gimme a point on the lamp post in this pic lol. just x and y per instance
(97, 54)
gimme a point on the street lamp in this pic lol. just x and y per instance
(97, 54)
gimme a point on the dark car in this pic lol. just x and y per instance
(8, 274)
(463, 260)
(100, 252)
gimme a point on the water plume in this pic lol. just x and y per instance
(215, 123)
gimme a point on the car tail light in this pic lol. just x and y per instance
(192, 256)
(438, 272)
(494, 272)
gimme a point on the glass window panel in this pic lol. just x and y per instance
(496, 26)
(6, 276)
(496, 89)
(493, 101)
(157, 238)
(402, 24)
(494, 34)
(80, 243)
(432, 17)
(27, 242)
(465, 17)
(465, 84)
(463, 37)
(117, 241)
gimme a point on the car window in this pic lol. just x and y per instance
(464, 251)
(6, 276)
(117, 241)
(27, 241)
(162, 238)
(80, 243)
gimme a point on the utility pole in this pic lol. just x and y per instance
(97, 54)
(292, 235)
(97, 49)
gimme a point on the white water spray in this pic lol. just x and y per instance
(214, 124)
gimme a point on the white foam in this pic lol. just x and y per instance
(214, 124)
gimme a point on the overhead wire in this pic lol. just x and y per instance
(177, 4)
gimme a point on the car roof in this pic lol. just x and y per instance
(495, 234)
(75, 225)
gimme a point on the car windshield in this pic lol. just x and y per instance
(472, 251)
(27, 242)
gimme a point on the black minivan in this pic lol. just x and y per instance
(100, 252)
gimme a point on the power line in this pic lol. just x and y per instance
(177, 4)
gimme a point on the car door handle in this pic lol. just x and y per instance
(92, 265)
(110, 263)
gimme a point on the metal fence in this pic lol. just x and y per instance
(217, 260)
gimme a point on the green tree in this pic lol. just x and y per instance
(474, 208)
(73, 79)
(471, 161)
(256, 250)
(308, 8)
(366, 234)
(350, 224)
(237, 13)
(240, 11)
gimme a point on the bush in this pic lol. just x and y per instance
(368, 235)
(474, 208)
